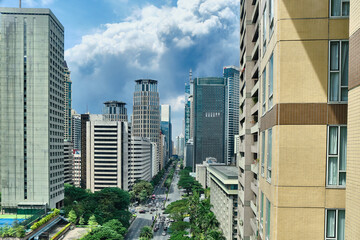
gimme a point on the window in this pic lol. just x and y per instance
(264, 30)
(336, 159)
(339, 71)
(339, 8)
(271, 84)
(261, 214)
(262, 153)
(271, 16)
(264, 92)
(335, 224)
(269, 153)
(268, 219)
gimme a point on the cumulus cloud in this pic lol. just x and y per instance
(162, 43)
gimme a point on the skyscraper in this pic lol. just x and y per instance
(32, 108)
(165, 127)
(231, 75)
(76, 129)
(67, 103)
(146, 111)
(188, 93)
(209, 119)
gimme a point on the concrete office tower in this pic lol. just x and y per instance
(84, 119)
(68, 162)
(115, 111)
(76, 129)
(303, 133)
(223, 197)
(188, 93)
(76, 177)
(67, 103)
(209, 119)
(107, 161)
(247, 138)
(166, 129)
(231, 75)
(139, 159)
(146, 111)
(154, 159)
(32, 108)
(352, 223)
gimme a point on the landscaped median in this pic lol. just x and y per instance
(64, 229)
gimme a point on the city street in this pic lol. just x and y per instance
(145, 219)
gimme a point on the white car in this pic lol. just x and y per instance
(163, 233)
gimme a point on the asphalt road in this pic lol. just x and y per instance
(146, 219)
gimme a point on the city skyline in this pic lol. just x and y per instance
(192, 35)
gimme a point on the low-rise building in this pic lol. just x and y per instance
(202, 175)
(223, 197)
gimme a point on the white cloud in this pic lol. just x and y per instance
(147, 34)
(177, 103)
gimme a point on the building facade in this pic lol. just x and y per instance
(140, 159)
(189, 154)
(352, 221)
(223, 197)
(115, 111)
(67, 103)
(293, 135)
(68, 162)
(146, 112)
(231, 75)
(32, 108)
(209, 119)
(166, 129)
(107, 159)
(76, 129)
(76, 177)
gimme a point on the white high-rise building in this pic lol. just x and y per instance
(32, 108)
(140, 159)
(107, 154)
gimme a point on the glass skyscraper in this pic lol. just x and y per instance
(209, 119)
(231, 75)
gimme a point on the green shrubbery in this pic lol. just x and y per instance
(61, 231)
(16, 231)
(44, 220)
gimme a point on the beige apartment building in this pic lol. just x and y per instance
(295, 71)
(352, 222)
(223, 197)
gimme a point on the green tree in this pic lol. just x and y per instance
(180, 235)
(117, 226)
(20, 231)
(103, 233)
(92, 221)
(178, 209)
(81, 220)
(146, 232)
(72, 216)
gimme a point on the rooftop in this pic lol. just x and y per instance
(146, 81)
(227, 172)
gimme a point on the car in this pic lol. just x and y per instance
(163, 233)
(151, 212)
(142, 211)
(153, 209)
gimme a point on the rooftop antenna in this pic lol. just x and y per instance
(19, 3)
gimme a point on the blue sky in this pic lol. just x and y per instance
(111, 43)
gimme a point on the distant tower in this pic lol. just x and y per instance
(146, 112)
(67, 103)
(115, 111)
